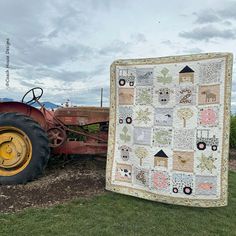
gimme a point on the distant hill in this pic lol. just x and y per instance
(48, 105)
(6, 100)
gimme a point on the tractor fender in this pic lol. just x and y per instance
(19, 107)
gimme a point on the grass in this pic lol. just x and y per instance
(115, 214)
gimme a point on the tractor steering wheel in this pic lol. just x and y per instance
(35, 98)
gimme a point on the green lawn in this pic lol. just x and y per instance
(115, 214)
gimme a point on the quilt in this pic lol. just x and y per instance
(169, 129)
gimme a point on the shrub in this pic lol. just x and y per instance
(233, 131)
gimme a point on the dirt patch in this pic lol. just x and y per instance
(63, 180)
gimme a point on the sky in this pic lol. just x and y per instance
(67, 47)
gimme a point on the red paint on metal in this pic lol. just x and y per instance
(19, 107)
(82, 115)
(80, 147)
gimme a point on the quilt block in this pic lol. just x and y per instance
(169, 129)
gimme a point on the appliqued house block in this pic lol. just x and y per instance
(186, 75)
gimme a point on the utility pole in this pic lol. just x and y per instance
(101, 96)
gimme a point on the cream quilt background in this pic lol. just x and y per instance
(169, 129)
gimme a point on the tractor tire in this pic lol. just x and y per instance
(122, 82)
(214, 147)
(187, 190)
(128, 120)
(201, 146)
(24, 149)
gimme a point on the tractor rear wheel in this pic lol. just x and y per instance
(24, 149)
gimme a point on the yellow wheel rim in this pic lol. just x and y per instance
(15, 150)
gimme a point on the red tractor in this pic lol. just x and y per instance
(28, 135)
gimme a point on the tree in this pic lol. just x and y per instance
(185, 114)
(164, 78)
(124, 136)
(143, 116)
(141, 153)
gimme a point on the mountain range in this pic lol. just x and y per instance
(48, 105)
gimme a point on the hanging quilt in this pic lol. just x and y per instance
(169, 129)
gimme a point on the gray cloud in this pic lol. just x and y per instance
(71, 20)
(217, 24)
(208, 32)
(173, 45)
(39, 30)
(85, 97)
(29, 84)
(229, 10)
(82, 76)
(22, 18)
(46, 55)
(167, 42)
(207, 16)
(139, 38)
(116, 47)
(42, 73)
(227, 23)
(107, 5)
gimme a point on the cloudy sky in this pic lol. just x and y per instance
(67, 46)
